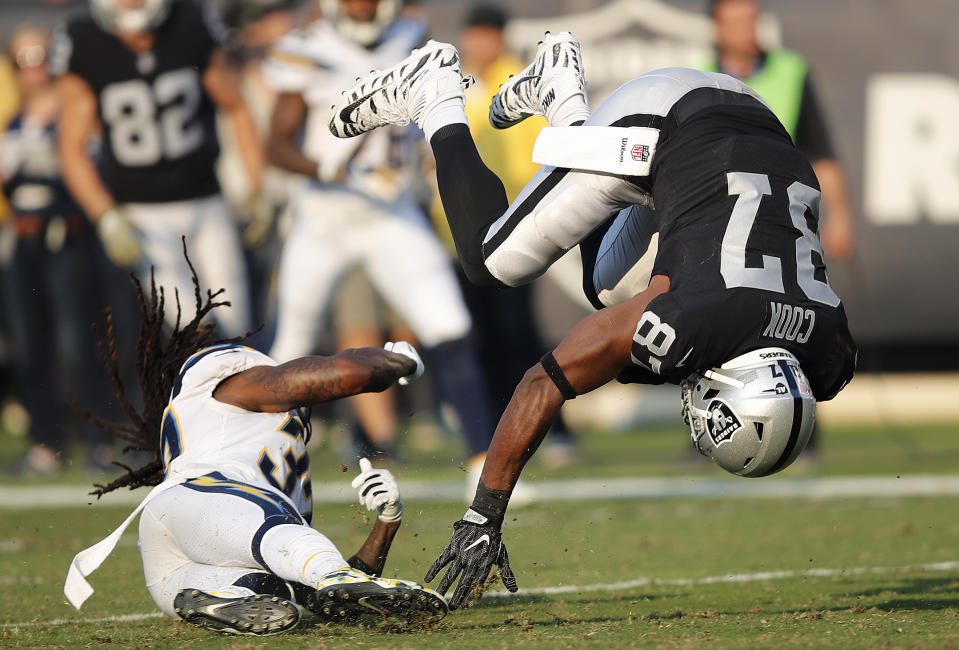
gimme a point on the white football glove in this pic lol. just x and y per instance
(407, 350)
(119, 238)
(379, 491)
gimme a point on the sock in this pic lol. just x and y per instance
(299, 554)
(473, 198)
(458, 382)
(568, 111)
(449, 111)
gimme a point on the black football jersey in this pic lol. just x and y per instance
(159, 141)
(737, 206)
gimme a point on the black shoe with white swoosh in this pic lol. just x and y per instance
(256, 615)
(352, 597)
(401, 94)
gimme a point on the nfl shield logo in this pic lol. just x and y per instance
(640, 152)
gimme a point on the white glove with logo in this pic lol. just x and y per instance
(119, 238)
(379, 491)
(407, 350)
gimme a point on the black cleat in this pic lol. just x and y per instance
(354, 598)
(249, 615)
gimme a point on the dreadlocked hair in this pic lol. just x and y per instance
(159, 358)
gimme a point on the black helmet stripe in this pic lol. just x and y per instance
(797, 418)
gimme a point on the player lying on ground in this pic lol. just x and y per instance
(721, 289)
(225, 536)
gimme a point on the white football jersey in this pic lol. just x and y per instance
(318, 62)
(202, 435)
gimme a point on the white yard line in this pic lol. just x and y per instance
(563, 490)
(730, 578)
(761, 576)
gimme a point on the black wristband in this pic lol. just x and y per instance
(490, 503)
(360, 565)
(554, 372)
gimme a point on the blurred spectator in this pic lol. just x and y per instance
(508, 340)
(151, 73)
(782, 78)
(51, 286)
(359, 207)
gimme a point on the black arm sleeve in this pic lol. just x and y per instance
(812, 134)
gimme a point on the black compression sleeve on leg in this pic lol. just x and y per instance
(473, 198)
(556, 374)
(360, 565)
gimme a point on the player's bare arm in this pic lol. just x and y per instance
(78, 121)
(222, 82)
(591, 355)
(376, 547)
(309, 380)
(282, 149)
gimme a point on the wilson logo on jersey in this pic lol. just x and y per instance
(640, 152)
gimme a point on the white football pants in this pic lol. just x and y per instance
(213, 243)
(336, 230)
(209, 537)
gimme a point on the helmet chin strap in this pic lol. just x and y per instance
(729, 381)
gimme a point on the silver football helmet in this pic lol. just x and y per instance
(752, 415)
(130, 17)
(363, 33)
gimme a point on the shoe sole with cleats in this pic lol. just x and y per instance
(255, 615)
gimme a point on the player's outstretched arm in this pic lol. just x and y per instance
(309, 380)
(591, 355)
(282, 145)
(222, 83)
(78, 121)
(380, 493)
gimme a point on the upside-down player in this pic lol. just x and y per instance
(722, 288)
(226, 536)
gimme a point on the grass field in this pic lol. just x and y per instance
(859, 572)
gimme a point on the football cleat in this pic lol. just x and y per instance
(555, 75)
(401, 94)
(355, 598)
(249, 615)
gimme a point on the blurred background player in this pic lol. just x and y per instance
(506, 333)
(51, 283)
(232, 457)
(360, 208)
(151, 73)
(783, 79)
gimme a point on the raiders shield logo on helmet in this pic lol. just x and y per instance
(722, 422)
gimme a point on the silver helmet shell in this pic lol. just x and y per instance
(117, 19)
(753, 415)
(362, 33)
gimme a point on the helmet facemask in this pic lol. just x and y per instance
(365, 34)
(117, 19)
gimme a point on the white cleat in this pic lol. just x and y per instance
(401, 94)
(555, 75)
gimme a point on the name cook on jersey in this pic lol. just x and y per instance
(789, 322)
